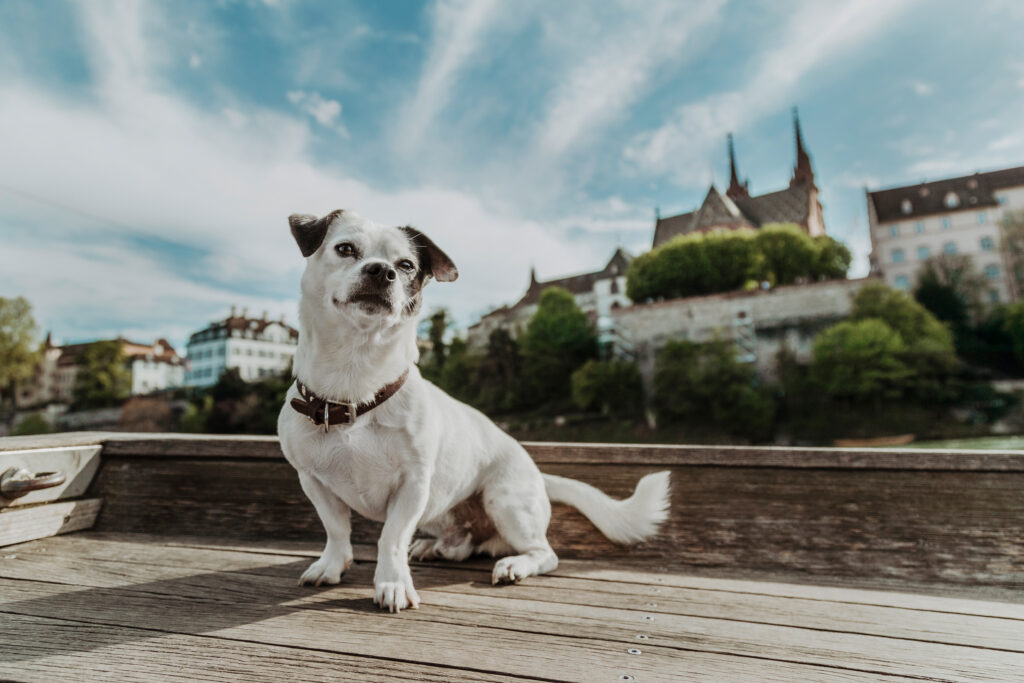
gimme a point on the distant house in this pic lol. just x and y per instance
(912, 223)
(597, 293)
(737, 208)
(257, 347)
(154, 367)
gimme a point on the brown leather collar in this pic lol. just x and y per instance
(321, 411)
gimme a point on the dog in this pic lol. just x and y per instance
(367, 433)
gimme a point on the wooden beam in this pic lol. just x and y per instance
(18, 525)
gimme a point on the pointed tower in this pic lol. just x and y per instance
(736, 189)
(802, 172)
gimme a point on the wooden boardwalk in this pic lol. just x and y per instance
(120, 606)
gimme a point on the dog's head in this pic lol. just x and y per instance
(366, 272)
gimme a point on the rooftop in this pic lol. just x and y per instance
(941, 196)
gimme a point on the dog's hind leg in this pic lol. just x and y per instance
(521, 514)
(336, 518)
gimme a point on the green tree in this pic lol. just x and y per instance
(950, 287)
(559, 338)
(1013, 324)
(19, 350)
(33, 424)
(833, 259)
(499, 376)
(438, 326)
(916, 326)
(704, 385)
(787, 253)
(103, 377)
(860, 360)
(613, 387)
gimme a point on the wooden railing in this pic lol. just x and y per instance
(954, 517)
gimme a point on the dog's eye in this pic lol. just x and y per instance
(345, 249)
(407, 265)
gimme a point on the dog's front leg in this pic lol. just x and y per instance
(336, 518)
(392, 582)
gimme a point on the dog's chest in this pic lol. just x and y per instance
(362, 466)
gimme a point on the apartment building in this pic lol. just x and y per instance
(258, 347)
(910, 224)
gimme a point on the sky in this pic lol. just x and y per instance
(153, 151)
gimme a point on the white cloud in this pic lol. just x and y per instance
(819, 34)
(921, 88)
(326, 112)
(458, 29)
(222, 182)
(195, 61)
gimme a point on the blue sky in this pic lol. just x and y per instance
(154, 150)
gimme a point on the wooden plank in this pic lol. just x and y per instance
(718, 620)
(338, 620)
(50, 649)
(192, 446)
(945, 527)
(60, 440)
(25, 524)
(78, 463)
(776, 457)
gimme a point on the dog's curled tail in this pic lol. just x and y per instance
(632, 520)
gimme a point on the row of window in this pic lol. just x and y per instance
(924, 252)
(945, 222)
(951, 201)
(262, 353)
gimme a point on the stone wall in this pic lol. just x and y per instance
(788, 316)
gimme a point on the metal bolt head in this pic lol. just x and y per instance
(642, 636)
(625, 677)
(633, 651)
(648, 617)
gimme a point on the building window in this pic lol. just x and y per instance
(986, 244)
(1001, 199)
(897, 256)
(220, 351)
(945, 223)
(902, 282)
(906, 206)
(894, 231)
(923, 253)
(951, 200)
(993, 296)
(982, 218)
(992, 271)
(949, 247)
(919, 226)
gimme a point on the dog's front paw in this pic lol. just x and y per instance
(395, 596)
(326, 571)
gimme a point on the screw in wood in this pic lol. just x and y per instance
(633, 651)
(642, 636)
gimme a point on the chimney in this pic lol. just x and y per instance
(234, 312)
(264, 315)
(245, 312)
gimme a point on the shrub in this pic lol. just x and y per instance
(612, 387)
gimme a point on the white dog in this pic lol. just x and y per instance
(367, 433)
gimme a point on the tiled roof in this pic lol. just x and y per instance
(133, 350)
(579, 284)
(791, 205)
(243, 323)
(971, 191)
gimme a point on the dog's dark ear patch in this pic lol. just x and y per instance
(433, 261)
(309, 231)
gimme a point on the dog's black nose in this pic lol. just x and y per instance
(380, 271)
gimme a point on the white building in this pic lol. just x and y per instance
(954, 216)
(258, 347)
(596, 293)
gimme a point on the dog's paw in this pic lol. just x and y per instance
(513, 569)
(423, 549)
(326, 571)
(395, 596)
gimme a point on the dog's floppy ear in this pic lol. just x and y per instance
(433, 261)
(309, 231)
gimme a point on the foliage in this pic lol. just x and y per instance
(918, 329)
(458, 377)
(613, 387)
(19, 352)
(103, 378)
(950, 287)
(500, 374)
(141, 414)
(234, 406)
(558, 339)
(33, 424)
(704, 385)
(860, 360)
(727, 260)
(1013, 324)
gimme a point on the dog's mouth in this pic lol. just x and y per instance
(370, 301)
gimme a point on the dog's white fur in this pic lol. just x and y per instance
(411, 460)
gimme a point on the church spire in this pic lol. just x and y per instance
(802, 172)
(736, 189)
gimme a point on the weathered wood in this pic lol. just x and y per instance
(569, 640)
(51, 649)
(78, 463)
(18, 525)
(61, 440)
(192, 446)
(943, 526)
